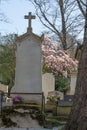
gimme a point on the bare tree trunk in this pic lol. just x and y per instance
(78, 115)
(63, 40)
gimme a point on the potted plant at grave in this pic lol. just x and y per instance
(17, 100)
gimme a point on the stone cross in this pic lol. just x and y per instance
(29, 17)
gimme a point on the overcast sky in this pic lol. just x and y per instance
(15, 11)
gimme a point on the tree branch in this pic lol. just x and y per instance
(80, 7)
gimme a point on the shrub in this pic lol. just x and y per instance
(62, 84)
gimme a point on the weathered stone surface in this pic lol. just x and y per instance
(28, 65)
(48, 83)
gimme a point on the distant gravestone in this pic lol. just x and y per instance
(71, 91)
(28, 75)
(73, 82)
(3, 88)
(48, 83)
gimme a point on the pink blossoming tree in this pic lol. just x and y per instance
(55, 60)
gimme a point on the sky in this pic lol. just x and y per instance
(15, 10)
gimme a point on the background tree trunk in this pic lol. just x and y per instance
(78, 115)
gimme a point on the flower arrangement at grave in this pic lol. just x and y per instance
(55, 60)
(54, 100)
(17, 99)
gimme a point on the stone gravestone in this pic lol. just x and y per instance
(28, 75)
(71, 91)
(48, 84)
(73, 82)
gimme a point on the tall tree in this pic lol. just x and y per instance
(61, 17)
(78, 115)
(7, 60)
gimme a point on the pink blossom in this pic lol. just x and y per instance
(57, 61)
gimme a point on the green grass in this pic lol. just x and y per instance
(52, 120)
